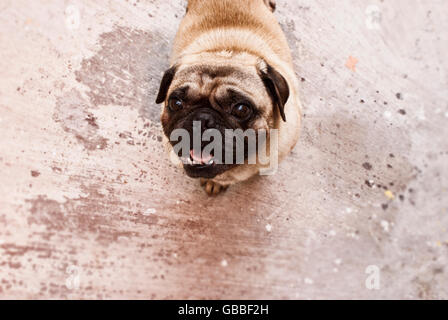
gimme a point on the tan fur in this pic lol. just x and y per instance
(238, 33)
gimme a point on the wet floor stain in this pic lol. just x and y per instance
(73, 113)
(87, 214)
(125, 70)
(118, 73)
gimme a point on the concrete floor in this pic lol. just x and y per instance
(90, 207)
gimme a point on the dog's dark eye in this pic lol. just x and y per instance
(175, 104)
(241, 111)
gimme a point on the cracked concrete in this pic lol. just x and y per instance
(90, 206)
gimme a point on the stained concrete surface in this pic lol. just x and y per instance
(90, 207)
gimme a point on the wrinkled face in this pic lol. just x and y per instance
(216, 97)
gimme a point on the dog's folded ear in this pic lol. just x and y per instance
(276, 86)
(165, 84)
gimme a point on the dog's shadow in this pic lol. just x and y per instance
(259, 229)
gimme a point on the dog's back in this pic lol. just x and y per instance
(222, 24)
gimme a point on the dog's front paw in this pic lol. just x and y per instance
(212, 188)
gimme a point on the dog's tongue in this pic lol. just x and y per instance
(200, 158)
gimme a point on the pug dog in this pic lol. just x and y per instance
(231, 68)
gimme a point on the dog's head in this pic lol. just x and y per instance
(220, 92)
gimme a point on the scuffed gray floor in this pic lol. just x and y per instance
(90, 207)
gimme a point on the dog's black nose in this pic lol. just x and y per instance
(207, 120)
